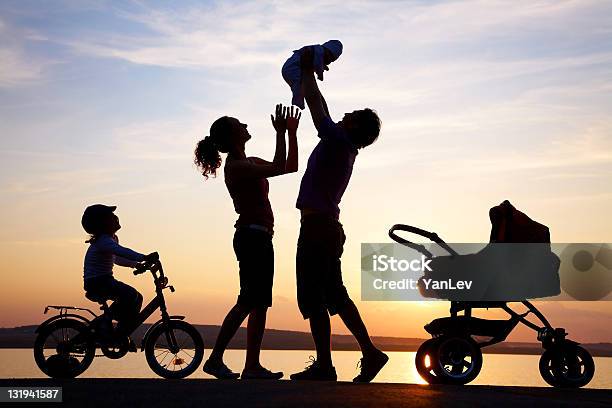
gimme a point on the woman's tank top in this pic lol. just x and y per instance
(250, 197)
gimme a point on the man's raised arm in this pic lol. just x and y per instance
(314, 99)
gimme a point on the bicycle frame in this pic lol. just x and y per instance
(158, 302)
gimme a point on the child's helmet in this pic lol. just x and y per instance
(94, 216)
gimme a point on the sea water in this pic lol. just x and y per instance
(497, 369)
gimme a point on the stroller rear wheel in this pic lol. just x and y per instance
(457, 360)
(424, 361)
(568, 366)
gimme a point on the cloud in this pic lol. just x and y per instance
(223, 34)
(217, 36)
(150, 191)
(157, 139)
(457, 21)
(523, 82)
(61, 181)
(45, 243)
(17, 67)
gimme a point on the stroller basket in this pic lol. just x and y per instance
(472, 326)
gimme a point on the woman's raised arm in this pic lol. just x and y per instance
(259, 168)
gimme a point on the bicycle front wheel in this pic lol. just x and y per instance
(174, 350)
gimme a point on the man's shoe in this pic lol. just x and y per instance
(370, 366)
(260, 373)
(219, 370)
(316, 372)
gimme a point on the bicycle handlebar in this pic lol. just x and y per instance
(161, 280)
(147, 266)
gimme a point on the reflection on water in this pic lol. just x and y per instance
(497, 369)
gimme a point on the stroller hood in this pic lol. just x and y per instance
(516, 265)
(510, 225)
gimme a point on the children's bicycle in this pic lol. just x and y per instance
(66, 343)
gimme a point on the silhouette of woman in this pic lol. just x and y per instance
(246, 181)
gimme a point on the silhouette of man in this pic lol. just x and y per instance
(320, 290)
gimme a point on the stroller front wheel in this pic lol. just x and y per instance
(457, 360)
(568, 366)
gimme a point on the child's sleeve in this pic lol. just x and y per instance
(121, 261)
(121, 253)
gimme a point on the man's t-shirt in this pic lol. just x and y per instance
(328, 171)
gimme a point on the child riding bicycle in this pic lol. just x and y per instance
(104, 251)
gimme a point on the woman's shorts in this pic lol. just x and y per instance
(255, 255)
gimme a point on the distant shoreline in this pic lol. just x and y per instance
(274, 339)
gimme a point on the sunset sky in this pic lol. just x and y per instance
(481, 101)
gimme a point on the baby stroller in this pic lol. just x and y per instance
(453, 356)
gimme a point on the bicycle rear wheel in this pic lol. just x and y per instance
(64, 349)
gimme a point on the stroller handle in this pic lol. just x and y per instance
(432, 236)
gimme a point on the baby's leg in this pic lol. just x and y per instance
(292, 74)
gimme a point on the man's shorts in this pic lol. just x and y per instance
(255, 255)
(318, 269)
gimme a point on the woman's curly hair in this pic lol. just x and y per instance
(207, 151)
